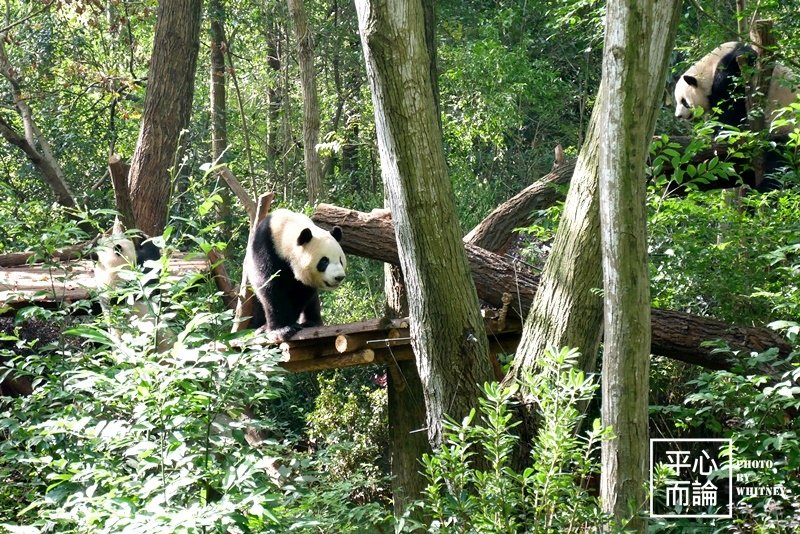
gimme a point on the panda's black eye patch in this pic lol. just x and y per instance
(684, 103)
(323, 263)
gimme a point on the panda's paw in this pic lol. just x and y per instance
(278, 335)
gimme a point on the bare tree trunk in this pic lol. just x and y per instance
(567, 311)
(219, 127)
(633, 70)
(308, 84)
(407, 438)
(445, 324)
(167, 107)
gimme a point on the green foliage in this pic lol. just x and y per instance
(125, 433)
(683, 172)
(473, 484)
(118, 437)
(751, 405)
(349, 423)
(507, 99)
(734, 262)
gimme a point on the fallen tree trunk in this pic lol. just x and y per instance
(676, 335)
(496, 231)
(371, 235)
(73, 252)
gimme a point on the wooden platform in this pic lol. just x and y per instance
(371, 342)
(65, 282)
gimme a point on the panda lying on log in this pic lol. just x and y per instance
(715, 82)
(290, 259)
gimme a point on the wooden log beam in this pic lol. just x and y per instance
(676, 335)
(371, 235)
(73, 252)
(496, 232)
(321, 341)
(321, 347)
(340, 361)
(350, 342)
(238, 189)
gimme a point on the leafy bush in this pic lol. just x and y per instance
(350, 422)
(751, 404)
(473, 484)
(123, 434)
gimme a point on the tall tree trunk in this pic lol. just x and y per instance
(445, 324)
(566, 311)
(308, 84)
(633, 71)
(406, 398)
(167, 107)
(219, 123)
(407, 440)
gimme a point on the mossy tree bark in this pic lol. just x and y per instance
(167, 108)
(446, 328)
(406, 399)
(567, 310)
(633, 71)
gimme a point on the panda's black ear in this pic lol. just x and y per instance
(691, 80)
(304, 237)
(336, 232)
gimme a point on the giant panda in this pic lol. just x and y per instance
(715, 82)
(289, 260)
(116, 257)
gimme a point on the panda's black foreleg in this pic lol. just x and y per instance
(280, 334)
(258, 318)
(312, 312)
(279, 322)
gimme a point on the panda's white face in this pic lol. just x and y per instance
(689, 95)
(322, 263)
(115, 254)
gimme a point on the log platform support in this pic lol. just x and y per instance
(371, 342)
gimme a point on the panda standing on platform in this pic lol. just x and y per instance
(715, 82)
(289, 260)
